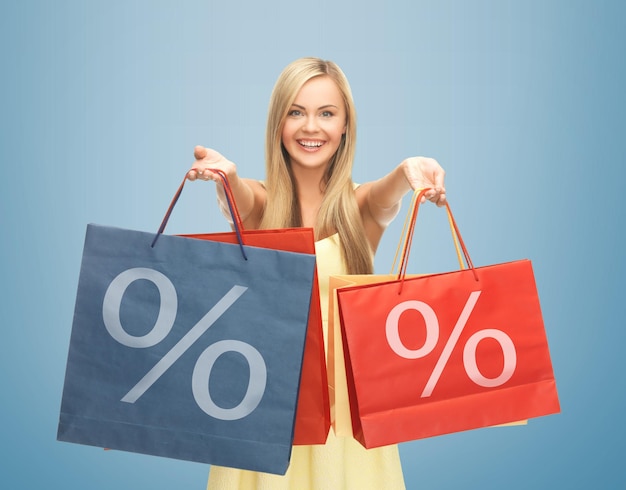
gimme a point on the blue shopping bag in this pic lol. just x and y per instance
(188, 349)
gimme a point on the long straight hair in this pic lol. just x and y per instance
(339, 211)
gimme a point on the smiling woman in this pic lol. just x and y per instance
(315, 125)
(310, 146)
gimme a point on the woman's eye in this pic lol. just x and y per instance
(327, 114)
(294, 113)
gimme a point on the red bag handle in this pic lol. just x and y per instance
(411, 229)
(232, 207)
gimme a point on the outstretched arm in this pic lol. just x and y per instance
(380, 201)
(385, 194)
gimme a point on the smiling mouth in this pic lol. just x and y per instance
(310, 145)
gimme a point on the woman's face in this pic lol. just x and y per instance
(315, 124)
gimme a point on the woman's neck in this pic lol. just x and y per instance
(310, 192)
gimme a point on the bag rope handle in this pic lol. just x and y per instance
(232, 207)
(406, 239)
(402, 243)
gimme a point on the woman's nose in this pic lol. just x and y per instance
(310, 123)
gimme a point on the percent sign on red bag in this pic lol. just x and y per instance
(431, 323)
(444, 353)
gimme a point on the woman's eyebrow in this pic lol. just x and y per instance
(319, 108)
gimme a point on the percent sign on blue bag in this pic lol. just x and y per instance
(187, 349)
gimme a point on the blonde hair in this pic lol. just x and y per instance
(339, 210)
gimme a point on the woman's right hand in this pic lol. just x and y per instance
(249, 195)
(207, 159)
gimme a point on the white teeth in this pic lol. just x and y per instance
(311, 144)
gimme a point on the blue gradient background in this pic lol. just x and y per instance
(521, 101)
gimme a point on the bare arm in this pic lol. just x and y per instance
(249, 194)
(380, 201)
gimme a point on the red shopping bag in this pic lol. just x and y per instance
(444, 353)
(313, 410)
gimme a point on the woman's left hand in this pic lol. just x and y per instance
(424, 172)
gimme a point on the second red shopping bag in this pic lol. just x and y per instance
(444, 353)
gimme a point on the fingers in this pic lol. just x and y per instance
(424, 172)
(436, 196)
(439, 194)
(439, 175)
(433, 175)
(206, 161)
(199, 152)
(202, 174)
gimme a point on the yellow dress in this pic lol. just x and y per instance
(340, 464)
